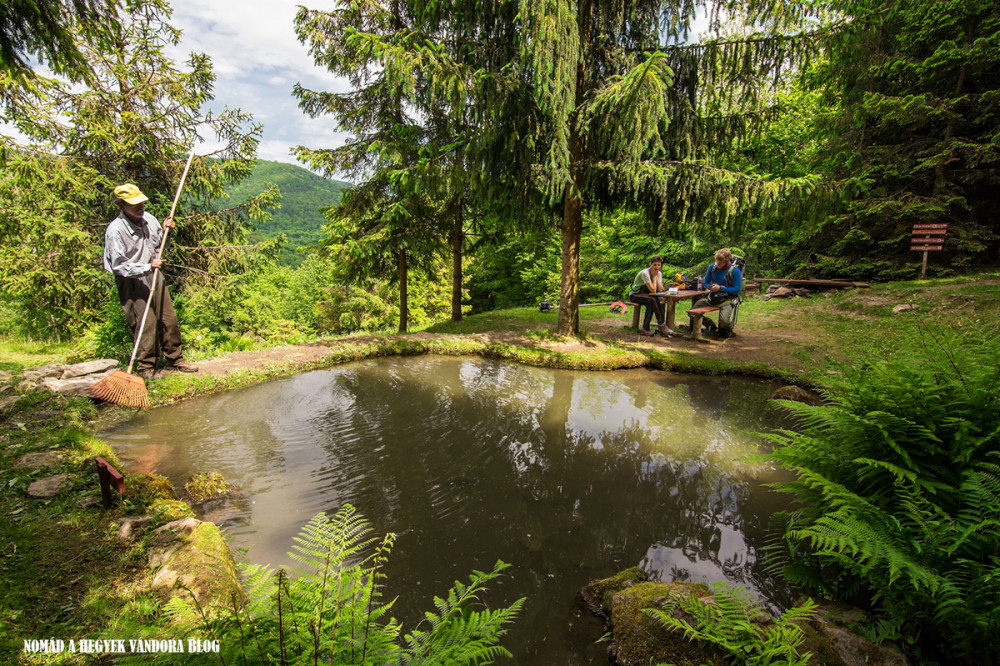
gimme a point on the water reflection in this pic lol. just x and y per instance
(569, 476)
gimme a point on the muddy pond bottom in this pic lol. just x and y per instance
(567, 476)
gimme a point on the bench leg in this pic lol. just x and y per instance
(635, 317)
(696, 321)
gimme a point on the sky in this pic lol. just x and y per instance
(257, 60)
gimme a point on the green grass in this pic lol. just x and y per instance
(17, 354)
(62, 572)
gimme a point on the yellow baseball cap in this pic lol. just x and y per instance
(130, 194)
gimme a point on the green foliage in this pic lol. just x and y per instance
(742, 628)
(898, 481)
(916, 136)
(207, 485)
(332, 609)
(112, 337)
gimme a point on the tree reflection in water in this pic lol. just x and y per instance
(569, 476)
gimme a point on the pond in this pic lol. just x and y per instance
(568, 476)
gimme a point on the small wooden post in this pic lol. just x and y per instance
(109, 478)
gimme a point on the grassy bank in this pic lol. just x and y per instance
(64, 574)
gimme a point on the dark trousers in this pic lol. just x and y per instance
(161, 336)
(652, 305)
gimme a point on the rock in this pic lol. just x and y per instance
(42, 372)
(783, 292)
(829, 638)
(49, 487)
(802, 292)
(38, 459)
(194, 554)
(636, 637)
(89, 368)
(88, 501)
(797, 394)
(222, 511)
(639, 639)
(7, 401)
(4, 376)
(766, 297)
(76, 385)
(129, 525)
(900, 309)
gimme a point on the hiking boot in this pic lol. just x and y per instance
(643, 332)
(726, 333)
(146, 374)
(665, 331)
(180, 365)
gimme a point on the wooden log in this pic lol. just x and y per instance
(813, 282)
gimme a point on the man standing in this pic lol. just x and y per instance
(650, 281)
(130, 246)
(724, 280)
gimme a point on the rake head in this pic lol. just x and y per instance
(122, 388)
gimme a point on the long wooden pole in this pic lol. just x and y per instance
(159, 254)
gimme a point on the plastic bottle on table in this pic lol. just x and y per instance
(701, 283)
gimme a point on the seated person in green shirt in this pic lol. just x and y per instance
(650, 281)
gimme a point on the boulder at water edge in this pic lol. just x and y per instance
(637, 638)
(194, 554)
(798, 394)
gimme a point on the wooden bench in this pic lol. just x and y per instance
(697, 315)
(636, 310)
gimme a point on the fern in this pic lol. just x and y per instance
(739, 626)
(898, 490)
(457, 635)
(332, 611)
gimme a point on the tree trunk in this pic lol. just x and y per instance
(572, 222)
(569, 293)
(457, 238)
(403, 307)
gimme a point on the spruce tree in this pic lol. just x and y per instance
(135, 120)
(385, 226)
(917, 139)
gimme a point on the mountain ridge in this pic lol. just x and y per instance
(303, 193)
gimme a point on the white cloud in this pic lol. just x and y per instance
(257, 59)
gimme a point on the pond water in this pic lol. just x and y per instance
(568, 476)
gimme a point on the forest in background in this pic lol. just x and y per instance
(303, 194)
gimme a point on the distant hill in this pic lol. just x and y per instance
(303, 193)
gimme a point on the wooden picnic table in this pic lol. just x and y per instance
(673, 299)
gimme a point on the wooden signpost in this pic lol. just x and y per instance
(931, 239)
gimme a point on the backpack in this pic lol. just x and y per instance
(718, 298)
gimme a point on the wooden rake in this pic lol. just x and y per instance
(124, 388)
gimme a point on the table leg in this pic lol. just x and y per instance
(671, 313)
